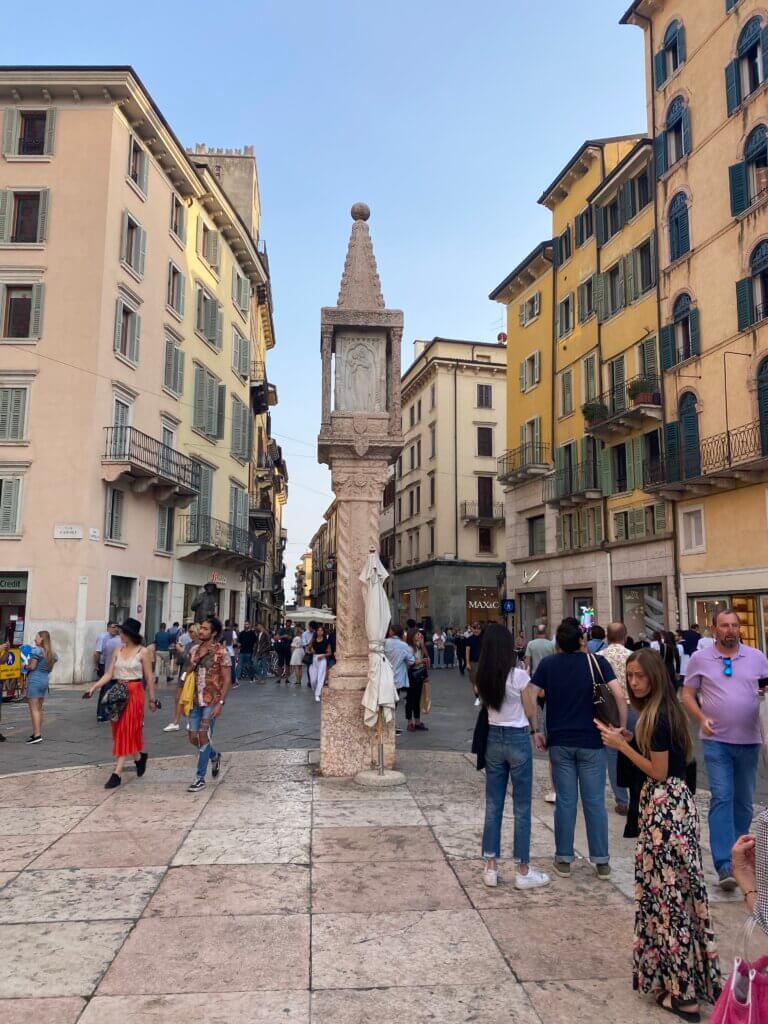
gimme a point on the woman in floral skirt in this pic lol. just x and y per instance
(674, 950)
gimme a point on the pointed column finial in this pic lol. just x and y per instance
(360, 211)
(360, 288)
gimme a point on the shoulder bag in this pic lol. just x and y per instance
(116, 701)
(605, 705)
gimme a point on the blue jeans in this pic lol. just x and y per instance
(508, 756)
(732, 772)
(245, 666)
(580, 770)
(197, 717)
(612, 759)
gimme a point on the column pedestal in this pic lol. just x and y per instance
(347, 746)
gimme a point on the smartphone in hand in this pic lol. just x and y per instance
(87, 696)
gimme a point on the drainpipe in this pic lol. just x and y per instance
(456, 460)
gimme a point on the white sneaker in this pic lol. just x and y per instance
(317, 700)
(533, 880)
(490, 878)
(477, 702)
(550, 797)
(171, 727)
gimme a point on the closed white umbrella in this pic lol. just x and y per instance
(380, 693)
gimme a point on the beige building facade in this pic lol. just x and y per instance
(448, 515)
(132, 292)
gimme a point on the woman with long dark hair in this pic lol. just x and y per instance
(670, 656)
(418, 673)
(510, 702)
(674, 950)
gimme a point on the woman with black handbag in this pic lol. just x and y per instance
(674, 949)
(418, 673)
(131, 668)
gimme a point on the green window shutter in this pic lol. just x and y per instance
(219, 313)
(579, 231)
(601, 225)
(142, 252)
(630, 279)
(50, 131)
(6, 215)
(199, 403)
(42, 215)
(659, 68)
(597, 520)
(687, 145)
(117, 515)
(637, 516)
(556, 252)
(179, 354)
(649, 360)
(732, 86)
(118, 325)
(236, 351)
(237, 428)
(235, 286)
(144, 172)
(521, 314)
(745, 306)
(182, 294)
(124, 237)
(168, 378)
(660, 153)
(536, 367)
(162, 529)
(654, 257)
(638, 452)
(583, 528)
(134, 339)
(522, 435)
(199, 237)
(221, 401)
(600, 292)
(694, 331)
(668, 355)
(245, 357)
(559, 533)
(620, 526)
(537, 437)
(13, 403)
(213, 249)
(5, 413)
(737, 175)
(522, 375)
(629, 449)
(629, 200)
(10, 132)
(9, 506)
(36, 317)
(660, 517)
(606, 471)
(672, 450)
(210, 404)
(209, 312)
(581, 302)
(589, 378)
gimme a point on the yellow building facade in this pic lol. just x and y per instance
(706, 71)
(581, 340)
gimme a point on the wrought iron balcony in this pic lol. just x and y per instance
(524, 463)
(261, 513)
(215, 535)
(262, 466)
(148, 463)
(572, 486)
(482, 511)
(624, 409)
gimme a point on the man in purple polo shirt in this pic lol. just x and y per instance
(726, 677)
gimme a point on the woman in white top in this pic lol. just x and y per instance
(297, 654)
(511, 705)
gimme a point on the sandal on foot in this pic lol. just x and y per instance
(675, 1008)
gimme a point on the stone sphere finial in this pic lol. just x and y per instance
(360, 211)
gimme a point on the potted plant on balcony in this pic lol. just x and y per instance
(594, 411)
(642, 390)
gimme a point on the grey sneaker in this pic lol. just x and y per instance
(196, 786)
(603, 871)
(562, 868)
(727, 881)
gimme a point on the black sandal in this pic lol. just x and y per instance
(675, 1008)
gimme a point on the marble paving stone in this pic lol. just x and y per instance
(245, 813)
(448, 812)
(78, 894)
(269, 757)
(41, 1011)
(130, 848)
(378, 887)
(27, 821)
(241, 775)
(505, 1003)
(16, 852)
(6, 876)
(172, 811)
(245, 846)
(352, 845)
(467, 840)
(81, 787)
(200, 1008)
(367, 813)
(214, 890)
(582, 888)
(348, 789)
(59, 959)
(449, 947)
(568, 941)
(251, 954)
(449, 793)
(728, 923)
(264, 792)
(585, 1002)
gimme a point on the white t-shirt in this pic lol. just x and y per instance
(512, 712)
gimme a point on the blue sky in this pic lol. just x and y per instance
(447, 118)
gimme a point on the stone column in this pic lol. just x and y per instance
(347, 746)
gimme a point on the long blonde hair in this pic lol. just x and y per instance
(661, 701)
(45, 644)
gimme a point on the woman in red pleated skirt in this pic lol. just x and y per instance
(132, 666)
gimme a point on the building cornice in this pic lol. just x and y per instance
(535, 265)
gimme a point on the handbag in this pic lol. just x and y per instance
(605, 704)
(426, 699)
(307, 659)
(418, 674)
(116, 701)
(744, 999)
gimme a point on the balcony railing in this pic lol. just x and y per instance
(624, 407)
(258, 372)
(530, 459)
(581, 480)
(491, 511)
(261, 514)
(207, 532)
(719, 461)
(146, 456)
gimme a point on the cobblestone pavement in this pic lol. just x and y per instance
(275, 895)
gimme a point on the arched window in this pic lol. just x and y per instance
(671, 55)
(749, 179)
(748, 71)
(680, 338)
(762, 404)
(679, 229)
(675, 142)
(689, 436)
(752, 291)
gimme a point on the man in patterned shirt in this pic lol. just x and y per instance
(212, 666)
(617, 654)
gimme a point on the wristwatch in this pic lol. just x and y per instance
(222, 702)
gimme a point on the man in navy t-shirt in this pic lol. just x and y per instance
(575, 746)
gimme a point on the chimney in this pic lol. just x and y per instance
(418, 348)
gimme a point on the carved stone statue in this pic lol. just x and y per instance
(359, 374)
(206, 603)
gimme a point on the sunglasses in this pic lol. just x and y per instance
(728, 666)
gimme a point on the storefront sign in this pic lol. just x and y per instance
(17, 581)
(10, 665)
(67, 531)
(218, 578)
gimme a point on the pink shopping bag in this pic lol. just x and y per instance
(744, 1000)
